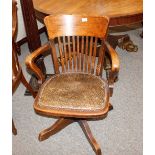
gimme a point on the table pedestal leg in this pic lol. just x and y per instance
(122, 41)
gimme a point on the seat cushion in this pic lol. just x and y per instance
(73, 91)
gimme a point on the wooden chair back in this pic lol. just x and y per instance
(78, 38)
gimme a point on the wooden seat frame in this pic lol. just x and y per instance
(67, 25)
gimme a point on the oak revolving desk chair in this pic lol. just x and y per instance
(17, 74)
(76, 92)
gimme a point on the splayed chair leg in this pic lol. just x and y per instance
(85, 127)
(56, 127)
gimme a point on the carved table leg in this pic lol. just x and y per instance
(85, 127)
(32, 34)
(56, 127)
(123, 41)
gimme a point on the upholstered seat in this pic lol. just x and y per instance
(73, 91)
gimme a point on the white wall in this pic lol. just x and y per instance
(21, 28)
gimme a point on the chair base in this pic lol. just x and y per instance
(62, 123)
(56, 127)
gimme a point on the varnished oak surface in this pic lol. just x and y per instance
(111, 8)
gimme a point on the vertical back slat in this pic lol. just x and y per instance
(61, 54)
(100, 59)
(82, 53)
(78, 54)
(69, 54)
(94, 55)
(86, 54)
(54, 56)
(90, 54)
(74, 54)
(65, 53)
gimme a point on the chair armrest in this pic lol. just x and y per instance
(114, 58)
(113, 73)
(29, 61)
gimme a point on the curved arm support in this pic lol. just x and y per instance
(31, 64)
(114, 58)
(113, 74)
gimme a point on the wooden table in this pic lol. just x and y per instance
(120, 12)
